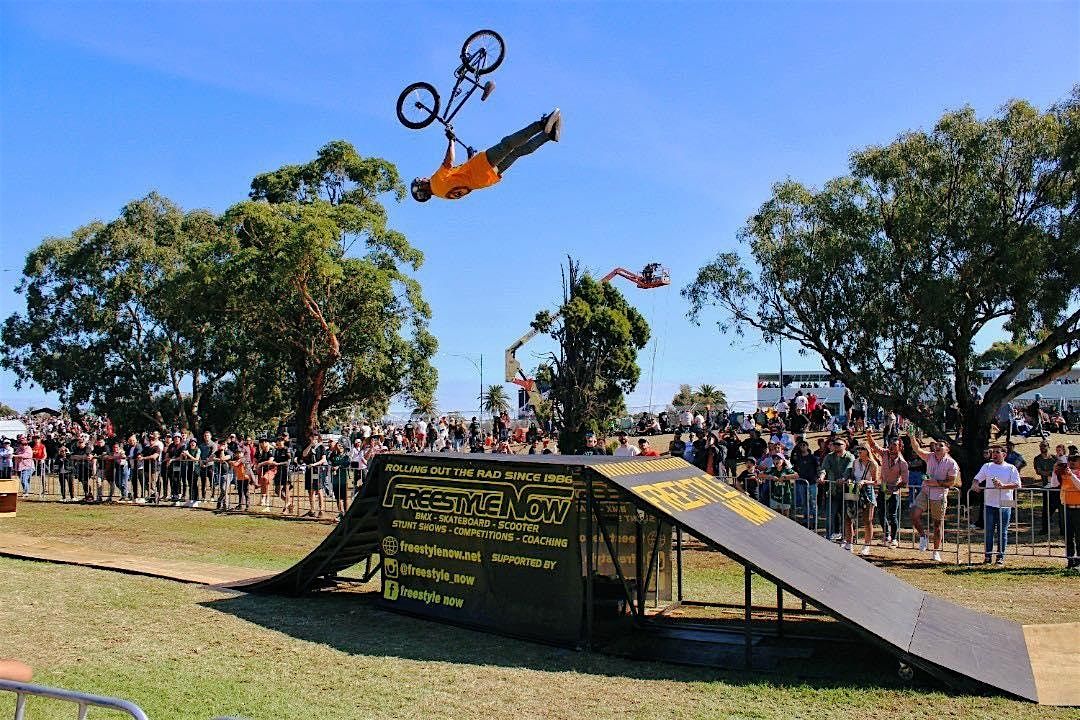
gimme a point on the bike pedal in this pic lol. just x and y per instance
(489, 87)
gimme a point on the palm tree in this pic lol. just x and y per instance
(709, 395)
(494, 400)
(426, 408)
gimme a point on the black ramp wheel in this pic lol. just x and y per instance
(418, 105)
(483, 51)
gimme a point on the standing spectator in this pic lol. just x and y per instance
(1051, 499)
(625, 449)
(860, 500)
(282, 481)
(755, 446)
(1069, 481)
(340, 469)
(207, 472)
(780, 476)
(266, 470)
(82, 464)
(132, 450)
(190, 470)
(152, 456)
(781, 408)
(942, 473)
(23, 458)
(223, 475)
(916, 469)
(835, 470)
(677, 446)
(118, 472)
(358, 463)
(747, 479)
(894, 476)
(1035, 415)
(734, 453)
(708, 455)
(800, 401)
(241, 472)
(1003, 420)
(805, 464)
(64, 474)
(41, 458)
(316, 467)
(6, 463)
(686, 419)
(998, 479)
(172, 469)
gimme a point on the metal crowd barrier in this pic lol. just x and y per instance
(1035, 503)
(82, 701)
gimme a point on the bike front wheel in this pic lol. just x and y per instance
(418, 105)
(483, 51)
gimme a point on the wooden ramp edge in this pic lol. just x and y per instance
(1055, 661)
(55, 551)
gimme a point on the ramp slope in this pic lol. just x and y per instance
(941, 637)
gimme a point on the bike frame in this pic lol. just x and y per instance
(454, 105)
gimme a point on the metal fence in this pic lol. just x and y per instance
(298, 491)
(79, 702)
(825, 507)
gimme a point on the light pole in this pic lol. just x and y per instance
(480, 368)
(780, 342)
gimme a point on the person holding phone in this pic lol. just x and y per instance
(999, 480)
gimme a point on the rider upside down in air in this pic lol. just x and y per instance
(486, 168)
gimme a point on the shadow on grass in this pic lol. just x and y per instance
(351, 622)
(989, 570)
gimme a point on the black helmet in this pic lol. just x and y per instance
(420, 189)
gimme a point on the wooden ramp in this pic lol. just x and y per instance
(1040, 663)
(960, 646)
(30, 548)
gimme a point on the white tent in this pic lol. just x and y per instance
(12, 428)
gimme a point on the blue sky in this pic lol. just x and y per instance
(678, 119)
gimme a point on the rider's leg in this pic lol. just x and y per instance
(497, 152)
(503, 164)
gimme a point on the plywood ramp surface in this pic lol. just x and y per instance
(1055, 661)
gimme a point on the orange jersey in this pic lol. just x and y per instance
(457, 182)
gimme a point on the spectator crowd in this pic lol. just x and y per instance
(859, 474)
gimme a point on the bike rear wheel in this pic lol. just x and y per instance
(418, 105)
(483, 51)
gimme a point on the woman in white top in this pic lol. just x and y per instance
(860, 500)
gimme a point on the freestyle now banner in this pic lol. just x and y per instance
(482, 543)
(682, 494)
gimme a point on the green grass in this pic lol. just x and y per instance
(239, 540)
(185, 651)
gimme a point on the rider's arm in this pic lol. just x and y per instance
(448, 159)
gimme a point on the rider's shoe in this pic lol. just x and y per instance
(553, 125)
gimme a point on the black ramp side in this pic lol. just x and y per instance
(352, 541)
(946, 638)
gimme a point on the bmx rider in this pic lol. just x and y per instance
(486, 168)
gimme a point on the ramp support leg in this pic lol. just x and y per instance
(678, 560)
(588, 561)
(779, 611)
(748, 638)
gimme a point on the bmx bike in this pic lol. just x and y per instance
(419, 103)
